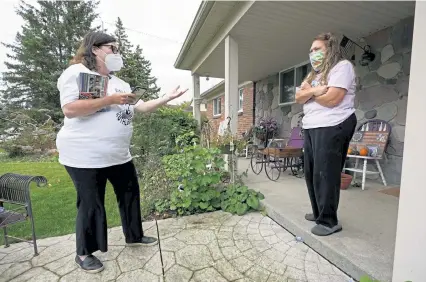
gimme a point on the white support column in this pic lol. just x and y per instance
(231, 82)
(196, 98)
(231, 89)
(410, 249)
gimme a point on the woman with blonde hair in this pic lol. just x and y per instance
(94, 142)
(329, 121)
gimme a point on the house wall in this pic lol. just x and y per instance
(245, 118)
(382, 92)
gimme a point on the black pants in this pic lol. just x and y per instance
(325, 151)
(91, 222)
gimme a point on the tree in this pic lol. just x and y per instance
(41, 51)
(137, 69)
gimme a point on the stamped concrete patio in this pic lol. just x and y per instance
(209, 247)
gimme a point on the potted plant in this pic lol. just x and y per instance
(266, 128)
(224, 143)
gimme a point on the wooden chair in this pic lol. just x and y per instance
(373, 134)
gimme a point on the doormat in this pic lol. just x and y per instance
(394, 191)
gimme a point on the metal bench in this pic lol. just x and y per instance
(15, 191)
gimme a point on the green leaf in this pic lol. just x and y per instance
(203, 205)
(260, 196)
(241, 208)
(253, 202)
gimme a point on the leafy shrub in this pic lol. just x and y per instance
(198, 172)
(240, 199)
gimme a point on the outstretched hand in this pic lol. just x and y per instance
(176, 93)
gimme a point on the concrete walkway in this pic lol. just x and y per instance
(210, 247)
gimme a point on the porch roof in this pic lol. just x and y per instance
(276, 35)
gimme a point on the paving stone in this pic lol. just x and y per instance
(266, 232)
(15, 247)
(274, 255)
(194, 257)
(154, 264)
(172, 244)
(242, 264)
(294, 262)
(295, 273)
(276, 278)
(177, 274)
(243, 245)
(278, 268)
(139, 275)
(231, 252)
(264, 261)
(225, 243)
(37, 274)
(208, 275)
(54, 253)
(112, 254)
(215, 250)
(272, 239)
(285, 236)
(13, 270)
(251, 254)
(325, 269)
(47, 242)
(281, 247)
(243, 222)
(19, 255)
(63, 265)
(266, 220)
(399, 133)
(261, 246)
(255, 237)
(135, 257)
(297, 253)
(311, 267)
(227, 270)
(196, 237)
(258, 274)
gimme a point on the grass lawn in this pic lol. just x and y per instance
(54, 206)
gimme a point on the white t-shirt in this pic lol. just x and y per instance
(98, 140)
(342, 75)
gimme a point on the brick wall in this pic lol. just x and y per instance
(245, 118)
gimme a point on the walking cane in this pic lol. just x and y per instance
(159, 247)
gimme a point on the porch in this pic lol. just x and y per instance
(366, 244)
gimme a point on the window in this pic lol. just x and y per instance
(241, 99)
(289, 80)
(217, 107)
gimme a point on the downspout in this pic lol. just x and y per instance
(254, 103)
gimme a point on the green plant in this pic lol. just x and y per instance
(198, 171)
(240, 199)
(197, 175)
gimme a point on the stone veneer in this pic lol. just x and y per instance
(382, 92)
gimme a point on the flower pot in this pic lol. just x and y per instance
(346, 180)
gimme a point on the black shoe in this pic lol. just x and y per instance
(90, 264)
(145, 241)
(310, 217)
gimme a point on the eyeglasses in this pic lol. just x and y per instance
(113, 48)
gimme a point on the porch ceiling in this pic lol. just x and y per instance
(276, 35)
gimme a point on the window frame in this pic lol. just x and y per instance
(217, 112)
(241, 99)
(294, 69)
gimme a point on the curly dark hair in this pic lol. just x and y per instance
(84, 53)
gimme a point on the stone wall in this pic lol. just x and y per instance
(382, 92)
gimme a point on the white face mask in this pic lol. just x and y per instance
(113, 62)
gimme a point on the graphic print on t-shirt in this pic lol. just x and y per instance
(124, 116)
